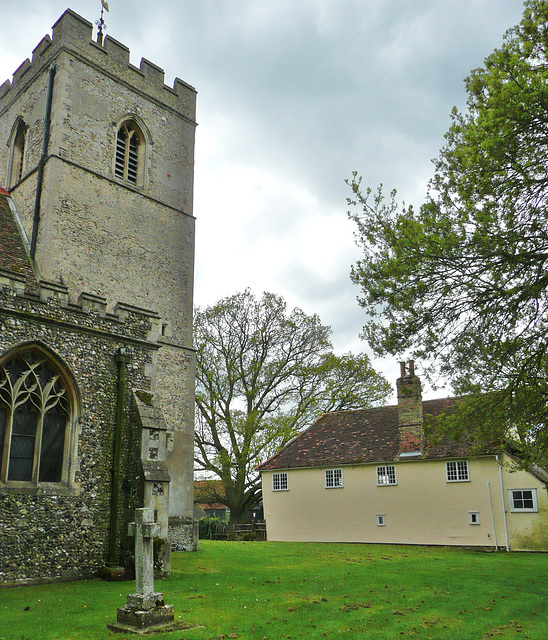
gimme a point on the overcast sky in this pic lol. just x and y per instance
(293, 95)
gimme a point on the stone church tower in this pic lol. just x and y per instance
(98, 156)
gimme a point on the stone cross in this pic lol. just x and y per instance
(145, 608)
(144, 529)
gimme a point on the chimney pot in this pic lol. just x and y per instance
(411, 367)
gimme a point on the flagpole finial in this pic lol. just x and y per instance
(101, 25)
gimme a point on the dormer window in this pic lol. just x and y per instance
(129, 157)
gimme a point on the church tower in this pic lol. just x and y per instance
(98, 155)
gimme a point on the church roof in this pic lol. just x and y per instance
(366, 436)
(14, 255)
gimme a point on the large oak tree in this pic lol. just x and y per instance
(263, 374)
(463, 279)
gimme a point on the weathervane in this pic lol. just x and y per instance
(101, 26)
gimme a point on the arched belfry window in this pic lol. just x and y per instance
(17, 152)
(130, 153)
(36, 407)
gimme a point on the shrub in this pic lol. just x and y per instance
(212, 528)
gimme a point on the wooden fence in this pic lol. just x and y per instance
(218, 530)
(253, 531)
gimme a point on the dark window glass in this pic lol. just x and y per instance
(20, 142)
(53, 443)
(523, 500)
(22, 443)
(2, 433)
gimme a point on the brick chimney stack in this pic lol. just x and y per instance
(410, 419)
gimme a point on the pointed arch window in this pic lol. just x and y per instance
(17, 159)
(130, 153)
(35, 412)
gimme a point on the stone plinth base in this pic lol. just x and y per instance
(143, 612)
(145, 601)
(168, 626)
(145, 618)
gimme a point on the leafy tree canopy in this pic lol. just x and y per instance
(262, 374)
(463, 280)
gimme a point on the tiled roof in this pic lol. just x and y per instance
(367, 435)
(13, 254)
(213, 505)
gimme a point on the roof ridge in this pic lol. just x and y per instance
(361, 436)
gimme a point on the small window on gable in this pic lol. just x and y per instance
(130, 153)
(35, 412)
(386, 475)
(473, 517)
(523, 500)
(457, 471)
(381, 522)
(17, 154)
(333, 478)
(279, 481)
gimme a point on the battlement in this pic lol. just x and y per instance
(74, 33)
(51, 302)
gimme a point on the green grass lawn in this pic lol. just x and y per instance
(269, 590)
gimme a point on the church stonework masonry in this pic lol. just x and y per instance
(97, 163)
(56, 480)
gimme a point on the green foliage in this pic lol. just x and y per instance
(212, 528)
(536, 538)
(463, 280)
(250, 591)
(262, 374)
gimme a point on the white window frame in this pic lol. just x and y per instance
(280, 481)
(381, 520)
(473, 517)
(386, 476)
(512, 498)
(457, 471)
(333, 479)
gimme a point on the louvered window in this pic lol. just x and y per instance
(128, 153)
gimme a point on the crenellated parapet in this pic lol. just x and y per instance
(50, 303)
(73, 33)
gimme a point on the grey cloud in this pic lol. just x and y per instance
(302, 93)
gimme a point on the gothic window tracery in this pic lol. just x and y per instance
(129, 156)
(34, 414)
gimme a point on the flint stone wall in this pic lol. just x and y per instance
(60, 531)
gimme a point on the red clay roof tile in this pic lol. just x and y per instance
(364, 436)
